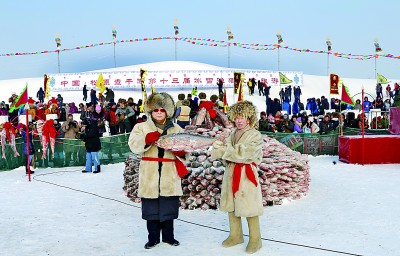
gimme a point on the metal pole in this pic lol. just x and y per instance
(58, 57)
(115, 61)
(175, 49)
(229, 55)
(327, 71)
(279, 46)
(375, 66)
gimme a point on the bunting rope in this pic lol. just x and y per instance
(214, 43)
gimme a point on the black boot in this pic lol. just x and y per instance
(153, 227)
(98, 169)
(167, 229)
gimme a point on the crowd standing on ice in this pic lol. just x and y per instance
(285, 113)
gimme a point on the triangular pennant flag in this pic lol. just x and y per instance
(100, 83)
(283, 79)
(382, 79)
(346, 98)
(21, 100)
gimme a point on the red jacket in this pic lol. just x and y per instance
(208, 105)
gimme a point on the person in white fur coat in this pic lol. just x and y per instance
(241, 192)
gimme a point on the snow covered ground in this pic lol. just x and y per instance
(350, 208)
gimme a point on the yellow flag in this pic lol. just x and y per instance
(283, 79)
(141, 107)
(100, 83)
(153, 89)
(47, 88)
(382, 79)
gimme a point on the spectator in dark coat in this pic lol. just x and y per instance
(324, 105)
(260, 88)
(276, 106)
(326, 125)
(93, 97)
(266, 90)
(109, 94)
(84, 91)
(40, 95)
(220, 84)
(90, 135)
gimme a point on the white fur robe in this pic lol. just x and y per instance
(151, 185)
(248, 200)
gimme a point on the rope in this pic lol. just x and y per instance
(181, 220)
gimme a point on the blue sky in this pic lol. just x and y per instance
(352, 25)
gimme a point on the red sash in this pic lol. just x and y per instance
(180, 167)
(237, 174)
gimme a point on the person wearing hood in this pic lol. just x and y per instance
(160, 170)
(3, 109)
(295, 107)
(241, 191)
(297, 125)
(72, 108)
(310, 126)
(313, 106)
(99, 116)
(40, 95)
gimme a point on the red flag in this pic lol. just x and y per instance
(225, 102)
(346, 98)
(21, 100)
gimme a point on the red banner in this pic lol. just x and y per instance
(334, 84)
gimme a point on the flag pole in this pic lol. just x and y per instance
(362, 125)
(27, 139)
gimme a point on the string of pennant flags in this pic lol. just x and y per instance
(214, 43)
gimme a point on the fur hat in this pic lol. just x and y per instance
(160, 100)
(243, 108)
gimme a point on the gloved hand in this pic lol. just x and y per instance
(179, 153)
(151, 137)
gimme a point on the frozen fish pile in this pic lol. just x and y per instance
(283, 174)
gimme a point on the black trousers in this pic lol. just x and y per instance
(166, 227)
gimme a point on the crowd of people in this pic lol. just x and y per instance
(100, 114)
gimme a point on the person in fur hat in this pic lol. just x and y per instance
(241, 193)
(160, 170)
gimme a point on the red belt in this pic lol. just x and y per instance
(180, 167)
(237, 175)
